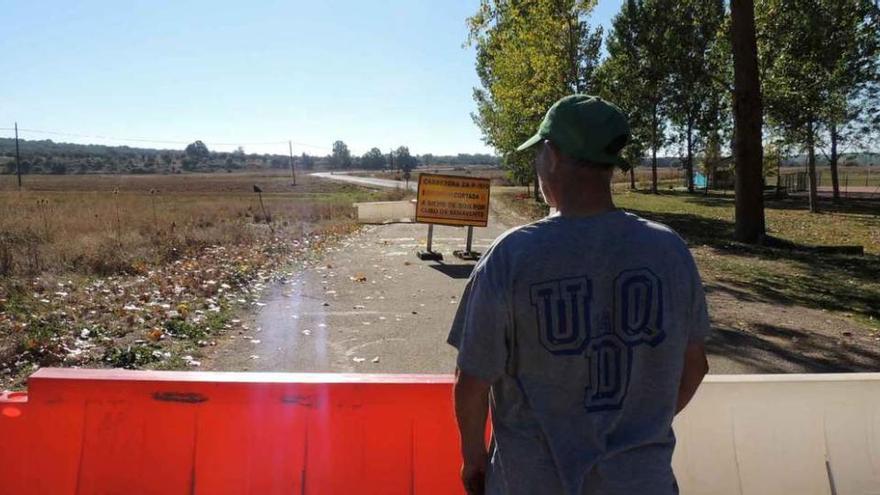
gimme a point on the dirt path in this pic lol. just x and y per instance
(751, 335)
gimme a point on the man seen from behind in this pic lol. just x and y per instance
(583, 331)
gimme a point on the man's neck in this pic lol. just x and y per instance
(585, 201)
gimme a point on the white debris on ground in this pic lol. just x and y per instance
(149, 317)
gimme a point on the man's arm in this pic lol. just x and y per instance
(471, 412)
(695, 368)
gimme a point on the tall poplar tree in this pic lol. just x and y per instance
(693, 32)
(636, 73)
(530, 53)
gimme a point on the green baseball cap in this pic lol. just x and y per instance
(585, 127)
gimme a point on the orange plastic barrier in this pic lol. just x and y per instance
(90, 432)
(80, 431)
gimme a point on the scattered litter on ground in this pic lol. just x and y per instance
(190, 361)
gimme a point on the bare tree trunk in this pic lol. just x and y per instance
(632, 178)
(654, 170)
(654, 125)
(690, 156)
(835, 180)
(747, 115)
(811, 167)
(710, 174)
(779, 178)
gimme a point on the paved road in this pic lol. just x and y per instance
(366, 181)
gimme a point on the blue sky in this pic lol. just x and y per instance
(372, 73)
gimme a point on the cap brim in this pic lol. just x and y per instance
(530, 142)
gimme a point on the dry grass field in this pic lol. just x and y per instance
(142, 270)
(107, 225)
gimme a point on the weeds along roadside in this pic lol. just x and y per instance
(145, 279)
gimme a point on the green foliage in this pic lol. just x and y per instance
(47, 157)
(197, 151)
(306, 162)
(637, 74)
(179, 327)
(697, 54)
(772, 159)
(373, 159)
(341, 157)
(403, 160)
(459, 159)
(819, 60)
(216, 320)
(529, 54)
(130, 357)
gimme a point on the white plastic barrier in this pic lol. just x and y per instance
(386, 211)
(780, 435)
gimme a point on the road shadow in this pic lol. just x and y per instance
(857, 206)
(772, 349)
(454, 271)
(834, 281)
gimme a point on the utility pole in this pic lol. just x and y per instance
(17, 157)
(292, 172)
(391, 160)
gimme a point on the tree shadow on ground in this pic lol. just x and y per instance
(772, 349)
(839, 282)
(846, 206)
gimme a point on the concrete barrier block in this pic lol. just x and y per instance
(383, 212)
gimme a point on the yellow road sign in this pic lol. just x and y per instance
(453, 200)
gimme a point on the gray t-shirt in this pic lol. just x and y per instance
(581, 324)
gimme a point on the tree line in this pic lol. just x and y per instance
(49, 157)
(670, 64)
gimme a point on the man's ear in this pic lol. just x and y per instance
(553, 156)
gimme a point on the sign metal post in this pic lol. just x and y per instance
(468, 253)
